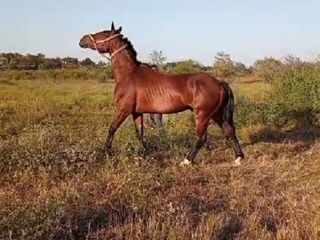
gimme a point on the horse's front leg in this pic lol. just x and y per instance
(118, 120)
(139, 126)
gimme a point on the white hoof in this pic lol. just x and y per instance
(185, 162)
(238, 161)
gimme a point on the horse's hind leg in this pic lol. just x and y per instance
(230, 133)
(202, 125)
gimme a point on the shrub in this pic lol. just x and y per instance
(267, 68)
(297, 89)
(224, 67)
(295, 98)
(188, 66)
(101, 73)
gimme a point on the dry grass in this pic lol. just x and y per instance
(55, 185)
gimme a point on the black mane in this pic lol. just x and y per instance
(131, 49)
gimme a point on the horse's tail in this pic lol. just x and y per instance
(229, 107)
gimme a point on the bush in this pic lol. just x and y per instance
(224, 67)
(52, 63)
(188, 66)
(297, 88)
(101, 73)
(267, 68)
(295, 98)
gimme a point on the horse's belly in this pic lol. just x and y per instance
(162, 106)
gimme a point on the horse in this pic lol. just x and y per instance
(154, 120)
(139, 89)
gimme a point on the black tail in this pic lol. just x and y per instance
(229, 107)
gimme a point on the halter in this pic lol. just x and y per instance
(106, 40)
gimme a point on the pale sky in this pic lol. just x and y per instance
(189, 29)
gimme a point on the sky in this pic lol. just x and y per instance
(183, 29)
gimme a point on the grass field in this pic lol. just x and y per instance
(55, 185)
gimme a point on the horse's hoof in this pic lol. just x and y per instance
(238, 161)
(109, 153)
(185, 162)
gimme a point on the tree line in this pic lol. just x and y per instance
(223, 66)
(17, 61)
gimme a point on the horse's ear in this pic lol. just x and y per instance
(112, 26)
(119, 30)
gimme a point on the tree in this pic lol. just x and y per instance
(31, 62)
(241, 69)
(69, 62)
(188, 66)
(105, 72)
(223, 66)
(267, 68)
(3, 61)
(101, 63)
(50, 63)
(157, 58)
(87, 62)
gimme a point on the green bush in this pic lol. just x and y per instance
(188, 66)
(267, 68)
(224, 67)
(295, 98)
(297, 89)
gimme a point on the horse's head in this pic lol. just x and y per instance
(101, 41)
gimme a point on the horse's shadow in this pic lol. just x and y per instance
(83, 225)
(305, 136)
(160, 143)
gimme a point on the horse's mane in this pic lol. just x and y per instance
(133, 54)
(131, 49)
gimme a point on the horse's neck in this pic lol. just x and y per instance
(123, 65)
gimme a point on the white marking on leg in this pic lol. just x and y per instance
(185, 162)
(238, 161)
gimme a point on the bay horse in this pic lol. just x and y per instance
(155, 120)
(139, 89)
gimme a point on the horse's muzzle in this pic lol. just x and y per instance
(82, 43)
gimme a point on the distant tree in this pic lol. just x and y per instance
(169, 67)
(158, 58)
(188, 66)
(223, 66)
(109, 71)
(41, 56)
(317, 62)
(104, 71)
(101, 63)
(69, 62)
(3, 61)
(31, 62)
(28, 62)
(241, 69)
(291, 61)
(87, 62)
(50, 63)
(11, 56)
(267, 68)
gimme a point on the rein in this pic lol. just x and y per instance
(104, 41)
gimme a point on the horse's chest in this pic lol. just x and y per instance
(124, 95)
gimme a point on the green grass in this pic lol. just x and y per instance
(55, 185)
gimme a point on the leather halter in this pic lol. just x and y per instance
(104, 41)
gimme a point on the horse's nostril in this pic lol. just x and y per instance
(82, 43)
